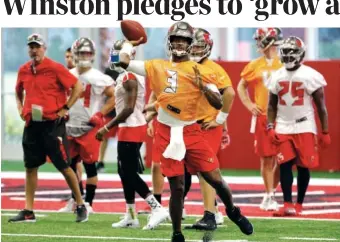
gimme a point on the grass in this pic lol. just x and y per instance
(111, 168)
(55, 224)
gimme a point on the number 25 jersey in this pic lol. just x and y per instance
(174, 86)
(294, 89)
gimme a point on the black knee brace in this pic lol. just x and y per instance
(90, 169)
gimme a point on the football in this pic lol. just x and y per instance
(133, 30)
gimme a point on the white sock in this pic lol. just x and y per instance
(131, 209)
(152, 201)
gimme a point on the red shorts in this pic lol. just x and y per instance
(263, 145)
(303, 146)
(199, 155)
(214, 137)
(86, 146)
(113, 132)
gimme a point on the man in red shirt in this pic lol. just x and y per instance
(42, 104)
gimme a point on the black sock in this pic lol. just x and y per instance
(302, 183)
(286, 180)
(90, 192)
(158, 198)
(187, 183)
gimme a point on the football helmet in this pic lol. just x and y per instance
(83, 50)
(203, 42)
(181, 48)
(114, 55)
(266, 37)
(292, 51)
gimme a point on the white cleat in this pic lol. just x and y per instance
(89, 208)
(157, 216)
(127, 222)
(219, 218)
(272, 205)
(264, 203)
(69, 207)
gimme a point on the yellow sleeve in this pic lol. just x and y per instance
(223, 78)
(248, 73)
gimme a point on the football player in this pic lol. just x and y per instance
(130, 101)
(87, 115)
(256, 74)
(294, 87)
(179, 85)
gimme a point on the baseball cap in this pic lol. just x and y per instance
(35, 38)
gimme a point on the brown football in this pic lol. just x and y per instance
(133, 30)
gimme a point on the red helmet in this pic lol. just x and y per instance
(266, 37)
(203, 40)
(292, 52)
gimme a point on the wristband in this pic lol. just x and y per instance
(66, 107)
(126, 49)
(270, 126)
(105, 127)
(221, 117)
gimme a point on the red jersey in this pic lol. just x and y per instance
(46, 88)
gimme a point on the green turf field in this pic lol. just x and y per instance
(60, 227)
(112, 168)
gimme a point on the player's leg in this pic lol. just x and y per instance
(276, 172)
(286, 159)
(211, 216)
(303, 178)
(157, 181)
(200, 157)
(266, 150)
(176, 206)
(71, 205)
(129, 166)
(58, 151)
(306, 144)
(102, 151)
(91, 184)
(187, 186)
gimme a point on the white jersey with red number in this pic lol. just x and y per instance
(137, 117)
(90, 102)
(295, 112)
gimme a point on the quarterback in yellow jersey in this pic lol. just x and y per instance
(179, 85)
(256, 74)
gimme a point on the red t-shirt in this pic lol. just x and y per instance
(47, 88)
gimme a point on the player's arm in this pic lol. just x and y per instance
(19, 94)
(131, 89)
(242, 90)
(110, 102)
(210, 91)
(151, 114)
(272, 108)
(319, 99)
(125, 61)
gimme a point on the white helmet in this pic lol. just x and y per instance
(83, 50)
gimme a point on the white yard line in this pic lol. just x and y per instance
(115, 177)
(310, 239)
(104, 237)
(192, 215)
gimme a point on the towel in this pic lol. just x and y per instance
(176, 148)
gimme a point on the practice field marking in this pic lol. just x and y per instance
(256, 180)
(310, 239)
(105, 237)
(193, 215)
